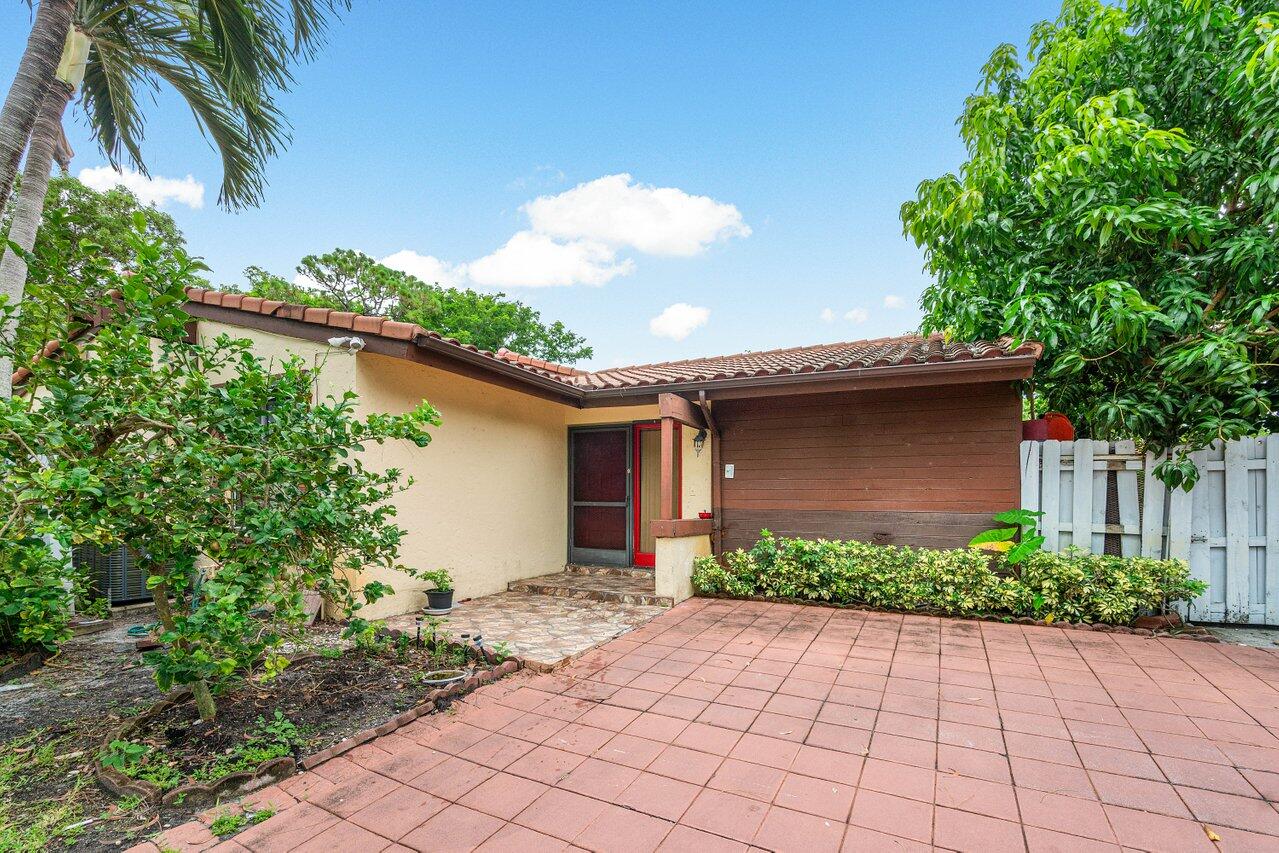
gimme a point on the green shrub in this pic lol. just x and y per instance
(35, 602)
(1073, 586)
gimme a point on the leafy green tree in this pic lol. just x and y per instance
(1119, 203)
(226, 59)
(348, 280)
(84, 227)
(239, 489)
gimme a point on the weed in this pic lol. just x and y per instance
(36, 824)
(227, 823)
(128, 804)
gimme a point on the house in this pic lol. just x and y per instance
(910, 440)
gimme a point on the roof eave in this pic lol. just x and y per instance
(446, 355)
(1001, 368)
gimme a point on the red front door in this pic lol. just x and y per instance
(646, 481)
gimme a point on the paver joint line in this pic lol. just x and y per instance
(868, 730)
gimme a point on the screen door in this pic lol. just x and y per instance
(599, 485)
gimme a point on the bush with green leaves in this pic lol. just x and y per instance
(1072, 586)
(238, 488)
(1119, 203)
(35, 602)
(440, 579)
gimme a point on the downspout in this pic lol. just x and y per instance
(717, 472)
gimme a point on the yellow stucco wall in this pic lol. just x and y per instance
(489, 501)
(336, 367)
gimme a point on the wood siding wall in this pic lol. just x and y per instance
(915, 466)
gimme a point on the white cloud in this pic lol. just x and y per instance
(154, 190)
(616, 211)
(858, 315)
(828, 315)
(891, 301)
(578, 236)
(426, 267)
(678, 321)
(530, 259)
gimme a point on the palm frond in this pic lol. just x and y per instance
(226, 58)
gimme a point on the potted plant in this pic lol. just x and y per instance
(440, 597)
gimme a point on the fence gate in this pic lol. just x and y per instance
(1103, 497)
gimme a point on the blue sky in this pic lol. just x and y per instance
(769, 147)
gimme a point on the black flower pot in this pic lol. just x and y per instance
(439, 599)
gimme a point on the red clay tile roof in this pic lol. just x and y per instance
(901, 351)
(883, 352)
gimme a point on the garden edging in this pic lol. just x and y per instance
(274, 770)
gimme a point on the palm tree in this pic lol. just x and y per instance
(226, 58)
(247, 35)
(35, 70)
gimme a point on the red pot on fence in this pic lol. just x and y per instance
(1053, 425)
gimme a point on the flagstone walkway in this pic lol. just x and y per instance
(727, 725)
(544, 630)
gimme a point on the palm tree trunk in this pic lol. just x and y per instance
(35, 72)
(45, 137)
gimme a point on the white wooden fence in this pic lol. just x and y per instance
(1227, 527)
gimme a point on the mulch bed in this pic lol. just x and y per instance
(329, 699)
(87, 704)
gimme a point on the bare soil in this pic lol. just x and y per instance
(54, 721)
(328, 699)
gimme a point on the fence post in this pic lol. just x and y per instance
(1081, 500)
(1238, 602)
(1030, 475)
(1154, 506)
(1272, 529)
(1050, 495)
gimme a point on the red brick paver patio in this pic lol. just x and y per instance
(727, 725)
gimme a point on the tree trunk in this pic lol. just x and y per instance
(45, 138)
(200, 690)
(35, 73)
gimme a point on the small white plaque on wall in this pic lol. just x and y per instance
(728, 471)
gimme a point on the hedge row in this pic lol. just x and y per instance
(1072, 586)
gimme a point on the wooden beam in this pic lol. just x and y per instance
(682, 410)
(667, 502)
(705, 406)
(677, 527)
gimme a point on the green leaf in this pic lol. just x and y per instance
(998, 534)
(1023, 550)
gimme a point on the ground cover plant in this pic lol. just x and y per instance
(322, 700)
(53, 734)
(1072, 586)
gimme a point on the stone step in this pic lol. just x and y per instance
(610, 571)
(622, 589)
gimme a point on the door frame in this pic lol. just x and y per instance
(639, 558)
(596, 556)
